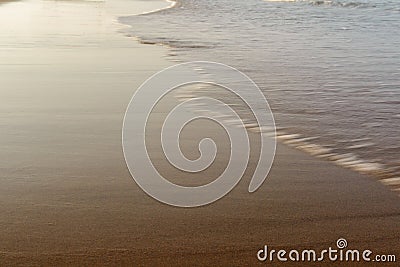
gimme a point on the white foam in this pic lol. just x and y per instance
(314, 149)
(172, 4)
(362, 145)
(342, 156)
(368, 167)
(251, 125)
(299, 141)
(352, 161)
(391, 181)
(325, 155)
(288, 136)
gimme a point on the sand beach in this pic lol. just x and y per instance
(67, 73)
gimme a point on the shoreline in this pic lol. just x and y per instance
(348, 161)
(382, 172)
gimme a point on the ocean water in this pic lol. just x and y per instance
(329, 69)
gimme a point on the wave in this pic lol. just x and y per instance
(364, 155)
(350, 4)
(172, 4)
(348, 158)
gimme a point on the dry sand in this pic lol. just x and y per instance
(68, 199)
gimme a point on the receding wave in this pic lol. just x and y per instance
(331, 75)
(342, 154)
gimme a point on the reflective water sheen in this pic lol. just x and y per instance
(330, 69)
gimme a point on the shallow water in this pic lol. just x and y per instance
(66, 76)
(329, 69)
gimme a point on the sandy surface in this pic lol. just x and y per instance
(68, 199)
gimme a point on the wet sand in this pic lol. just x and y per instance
(67, 196)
